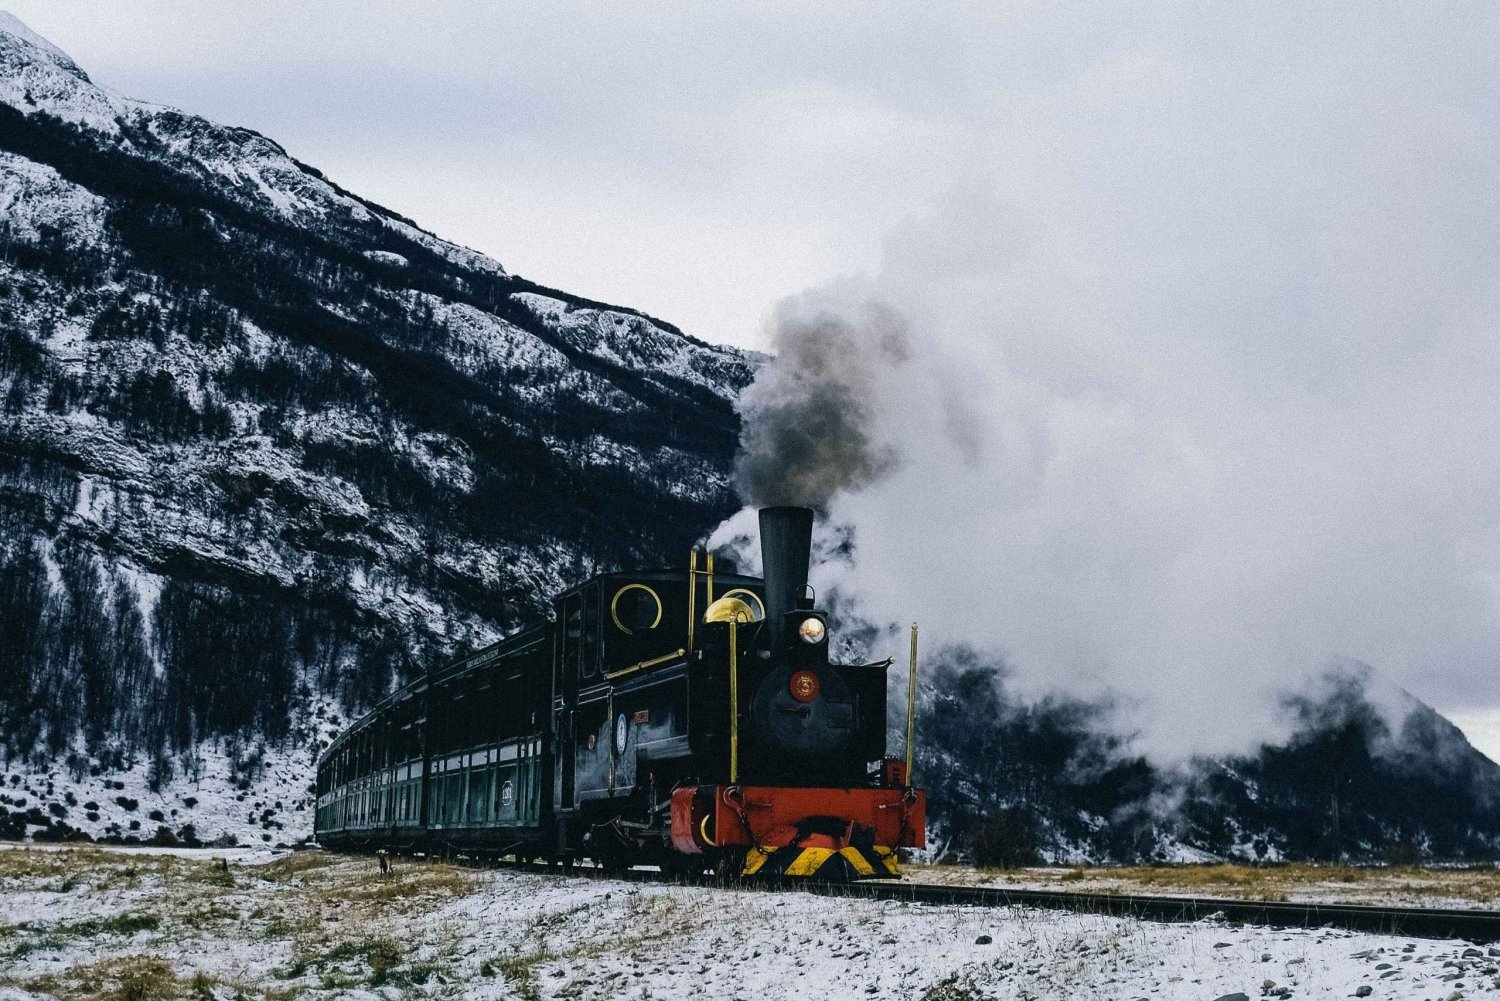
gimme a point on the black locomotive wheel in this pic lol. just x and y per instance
(730, 865)
(613, 862)
(681, 866)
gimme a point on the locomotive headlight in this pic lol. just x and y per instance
(812, 630)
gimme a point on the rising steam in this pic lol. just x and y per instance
(1145, 513)
(1184, 380)
(807, 431)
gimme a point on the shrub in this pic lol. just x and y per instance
(146, 978)
(1406, 852)
(383, 955)
(1007, 839)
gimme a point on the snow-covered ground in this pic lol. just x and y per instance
(130, 924)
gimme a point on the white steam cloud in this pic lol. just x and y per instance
(1179, 413)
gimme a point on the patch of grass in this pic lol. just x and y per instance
(146, 978)
(952, 988)
(212, 874)
(417, 975)
(201, 986)
(437, 880)
(119, 924)
(128, 978)
(42, 943)
(385, 958)
(520, 969)
(1279, 881)
(203, 915)
(285, 869)
(124, 875)
(29, 863)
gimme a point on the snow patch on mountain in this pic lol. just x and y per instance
(36, 77)
(34, 198)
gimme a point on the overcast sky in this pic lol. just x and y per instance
(1220, 282)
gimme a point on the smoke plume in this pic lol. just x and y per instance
(1196, 380)
(1121, 499)
(807, 431)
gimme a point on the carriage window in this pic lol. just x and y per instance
(572, 632)
(588, 664)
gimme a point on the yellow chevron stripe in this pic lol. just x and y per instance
(856, 859)
(754, 859)
(886, 858)
(809, 862)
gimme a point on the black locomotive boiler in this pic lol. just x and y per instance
(663, 717)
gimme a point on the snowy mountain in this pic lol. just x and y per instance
(267, 448)
(1369, 774)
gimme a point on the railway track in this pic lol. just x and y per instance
(1415, 922)
(1479, 926)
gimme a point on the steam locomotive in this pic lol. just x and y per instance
(685, 720)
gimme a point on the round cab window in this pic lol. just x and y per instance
(635, 609)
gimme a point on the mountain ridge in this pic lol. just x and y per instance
(255, 427)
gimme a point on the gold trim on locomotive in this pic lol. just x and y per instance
(614, 607)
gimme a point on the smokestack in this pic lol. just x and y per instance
(785, 551)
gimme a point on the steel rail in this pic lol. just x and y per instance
(1416, 922)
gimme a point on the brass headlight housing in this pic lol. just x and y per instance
(812, 630)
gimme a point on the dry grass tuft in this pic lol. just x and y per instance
(437, 879)
(128, 978)
(285, 869)
(1268, 882)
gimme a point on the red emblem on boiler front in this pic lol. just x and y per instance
(804, 686)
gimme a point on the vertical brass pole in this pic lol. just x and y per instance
(710, 599)
(911, 704)
(734, 700)
(692, 596)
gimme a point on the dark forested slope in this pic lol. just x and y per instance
(266, 447)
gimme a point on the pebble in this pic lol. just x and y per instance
(1233, 997)
(983, 940)
(1363, 991)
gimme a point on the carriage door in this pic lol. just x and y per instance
(567, 687)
